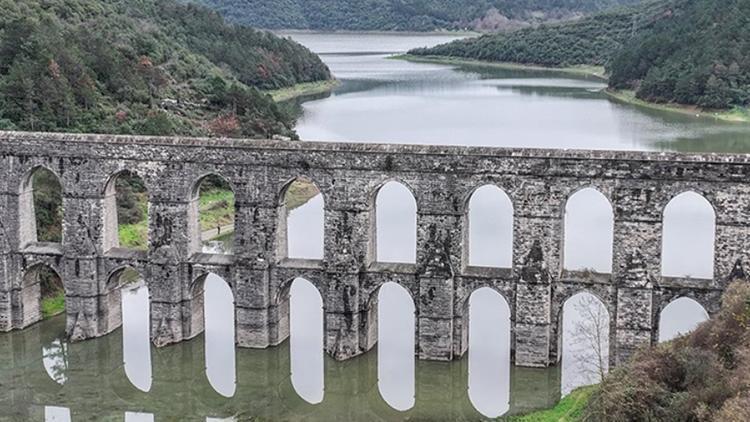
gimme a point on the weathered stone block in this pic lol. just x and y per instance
(435, 338)
(532, 345)
(634, 309)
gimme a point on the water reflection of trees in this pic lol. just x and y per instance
(55, 358)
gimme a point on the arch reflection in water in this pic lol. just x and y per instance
(396, 224)
(306, 342)
(585, 346)
(688, 237)
(56, 414)
(219, 342)
(490, 228)
(680, 317)
(489, 352)
(136, 332)
(55, 360)
(396, 322)
(138, 417)
(303, 206)
(589, 232)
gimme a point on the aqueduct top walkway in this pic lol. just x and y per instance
(638, 184)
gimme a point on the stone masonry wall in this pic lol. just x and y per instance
(538, 182)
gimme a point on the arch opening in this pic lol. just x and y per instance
(42, 294)
(588, 232)
(489, 227)
(396, 330)
(135, 301)
(213, 313)
(688, 237)
(301, 221)
(126, 278)
(41, 208)
(304, 307)
(680, 317)
(585, 341)
(125, 207)
(489, 352)
(395, 217)
(212, 213)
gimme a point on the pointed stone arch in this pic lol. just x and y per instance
(34, 208)
(691, 313)
(119, 279)
(588, 231)
(196, 232)
(489, 213)
(393, 222)
(300, 236)
(130, 185)
(688, 219)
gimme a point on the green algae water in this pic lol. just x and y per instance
(40, 373)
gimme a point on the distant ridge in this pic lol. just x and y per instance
(405, 15)
(688, 52)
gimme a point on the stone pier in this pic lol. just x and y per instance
(638, 184)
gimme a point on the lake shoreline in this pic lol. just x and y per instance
(302, 90)
(283, 32)
(590, 71)
(737, 115)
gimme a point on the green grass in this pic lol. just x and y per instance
(581, 70)
(134, 236)
(738, 114)
(216, 209)
(301, 90)
(569, 409)
(54, 305)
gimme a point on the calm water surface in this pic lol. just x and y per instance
(382, 100)
(43, 377)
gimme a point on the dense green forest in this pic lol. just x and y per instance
(404, 15)
(699, 53)
(694, 52)
(155, 67)
(591, 40)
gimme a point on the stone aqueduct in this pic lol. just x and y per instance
(638, 185)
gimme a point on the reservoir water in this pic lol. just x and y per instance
(43, 377)
(384, 100)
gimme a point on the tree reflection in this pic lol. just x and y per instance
(55, 360)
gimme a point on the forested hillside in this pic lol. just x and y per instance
(699, 53)
(142, 66)
(404, 15)
(694, 52)
(591, 40)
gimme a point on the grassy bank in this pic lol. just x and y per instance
(301, 90)
(739, 115)
(569, 409)
(583, 70)
(217, 209)
(53, 305)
